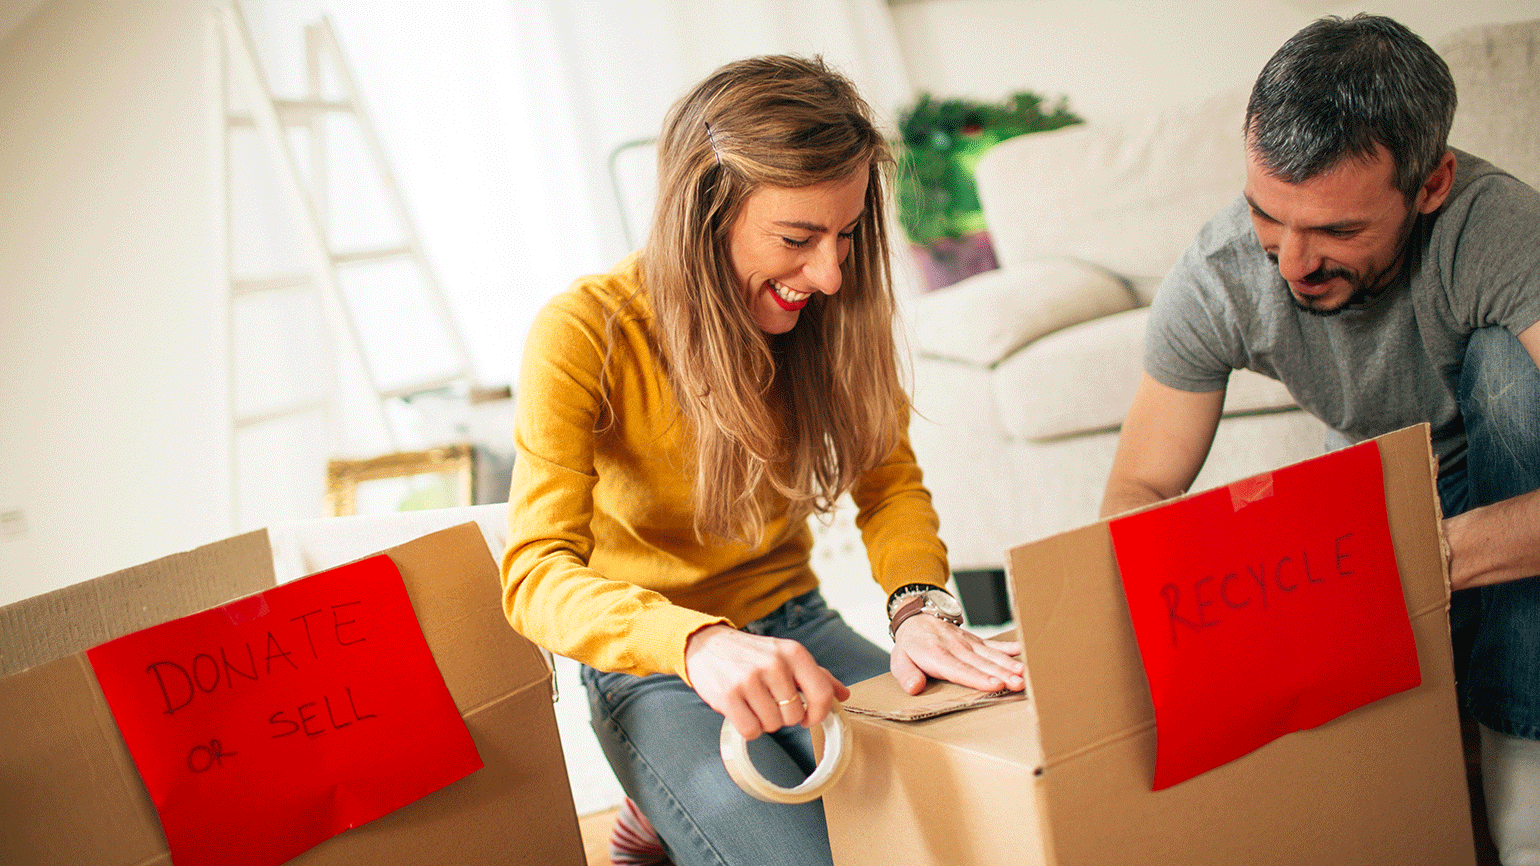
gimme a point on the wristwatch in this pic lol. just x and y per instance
(921, 598)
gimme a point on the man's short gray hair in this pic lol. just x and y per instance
(1340, 87)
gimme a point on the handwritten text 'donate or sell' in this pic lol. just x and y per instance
(319, 637)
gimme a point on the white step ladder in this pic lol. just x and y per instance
(343, 295)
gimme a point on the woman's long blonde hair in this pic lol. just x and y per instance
(810, 410)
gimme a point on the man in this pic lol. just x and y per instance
(1387, 281)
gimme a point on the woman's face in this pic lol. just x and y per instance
(788, 242)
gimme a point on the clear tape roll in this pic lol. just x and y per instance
(836, 755)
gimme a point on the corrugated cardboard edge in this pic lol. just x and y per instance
(1123, 693)
(77, 617)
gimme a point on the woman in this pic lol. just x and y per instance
(679, 420)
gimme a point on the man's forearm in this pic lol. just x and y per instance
(1494, 543)
(1164, 442)
(1126, 495)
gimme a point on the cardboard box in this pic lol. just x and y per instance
(70, 795)
(1064, 777)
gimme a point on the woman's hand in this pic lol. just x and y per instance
(927, 646)
(760, 684)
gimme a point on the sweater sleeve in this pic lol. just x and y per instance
(898, 523)
(550, 593)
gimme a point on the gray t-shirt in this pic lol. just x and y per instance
(1371, 369)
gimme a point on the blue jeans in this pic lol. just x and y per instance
(661, 740)
(1496, 629)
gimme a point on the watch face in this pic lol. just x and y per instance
(944, 603)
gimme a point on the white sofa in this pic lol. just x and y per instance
(1023, 374)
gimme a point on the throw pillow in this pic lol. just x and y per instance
(983, 319)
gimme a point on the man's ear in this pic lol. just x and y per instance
(1437, 185)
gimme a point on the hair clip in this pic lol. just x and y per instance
(711, 137)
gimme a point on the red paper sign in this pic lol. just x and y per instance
(266, 726)
(1269, 606)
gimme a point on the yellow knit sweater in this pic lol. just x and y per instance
(602, 564)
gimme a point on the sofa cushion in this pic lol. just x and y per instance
(1128, 196)
(1075, 380)
(986, 317)
(1083, 379)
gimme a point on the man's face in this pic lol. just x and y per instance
(1338, 237)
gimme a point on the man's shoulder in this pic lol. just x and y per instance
(1488, 202)
(1474, 175)
(1230, 226)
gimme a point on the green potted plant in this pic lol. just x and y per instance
(941, 142)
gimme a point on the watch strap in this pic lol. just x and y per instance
(912, 605)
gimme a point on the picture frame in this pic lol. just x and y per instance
(440, 477)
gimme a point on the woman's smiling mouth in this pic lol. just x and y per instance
(789, 299)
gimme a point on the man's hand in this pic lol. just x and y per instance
(760, 684)
(927, 646)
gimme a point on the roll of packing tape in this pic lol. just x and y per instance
(836, 754)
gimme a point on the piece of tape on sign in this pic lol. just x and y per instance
(836, 755)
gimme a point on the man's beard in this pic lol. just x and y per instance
(1361, 290)
(1364, 290)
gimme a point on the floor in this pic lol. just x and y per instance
(596, 837)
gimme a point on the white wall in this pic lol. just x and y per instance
(1115, 58)
(112, 445)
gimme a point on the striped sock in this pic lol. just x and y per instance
(633, 842)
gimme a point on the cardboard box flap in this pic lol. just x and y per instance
(69, 792)
(1070, 629)
(1382, 784)
(476, 649)
(1415, 517)
(883, 698)
(78, 617)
